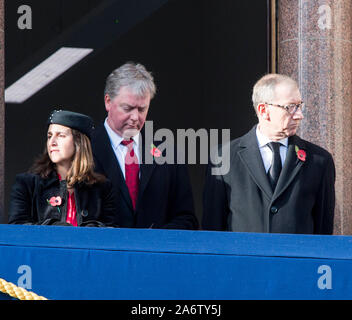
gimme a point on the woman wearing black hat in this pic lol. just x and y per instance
(62, 187)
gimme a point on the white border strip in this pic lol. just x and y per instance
(44, 73)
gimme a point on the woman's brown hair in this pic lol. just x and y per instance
(82, 167)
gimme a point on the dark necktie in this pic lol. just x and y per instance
(275, 168)
(131, 171)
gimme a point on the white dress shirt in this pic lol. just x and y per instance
(121, 150)
(265, 151)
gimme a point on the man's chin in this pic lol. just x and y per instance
(129, 133)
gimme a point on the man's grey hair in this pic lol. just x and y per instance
(131, 75)
(264, 89)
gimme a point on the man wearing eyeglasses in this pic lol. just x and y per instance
(277, 181)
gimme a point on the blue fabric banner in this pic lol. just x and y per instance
(144, 264)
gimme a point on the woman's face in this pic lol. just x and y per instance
(60, 145)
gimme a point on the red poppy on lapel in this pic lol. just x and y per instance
(55, 201)
(301, 154)
(155, 151)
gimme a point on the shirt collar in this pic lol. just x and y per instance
(264, 140)
(116, 139)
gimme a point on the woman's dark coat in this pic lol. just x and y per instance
(95, 204)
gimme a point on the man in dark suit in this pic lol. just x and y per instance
(277, 182)
(151, 195)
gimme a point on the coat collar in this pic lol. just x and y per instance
(291, 166)
(106, 155)
(250, 155)
(50, 181)
(147, 165)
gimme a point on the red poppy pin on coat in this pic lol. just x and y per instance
(55, 202)
(155, 151)
(301, 154)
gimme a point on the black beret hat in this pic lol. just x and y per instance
(73, 120)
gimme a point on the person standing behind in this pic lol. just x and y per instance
(277, 181)
(151, 195)
(62, 187)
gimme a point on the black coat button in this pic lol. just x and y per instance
(274, 210)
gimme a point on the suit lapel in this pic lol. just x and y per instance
(250, 155)
(253, 162)
(291, 166)
(111, 164)
(146, 171)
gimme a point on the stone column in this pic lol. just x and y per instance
(2, 113)
(315, 48)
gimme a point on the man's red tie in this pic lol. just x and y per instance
(131, 171)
